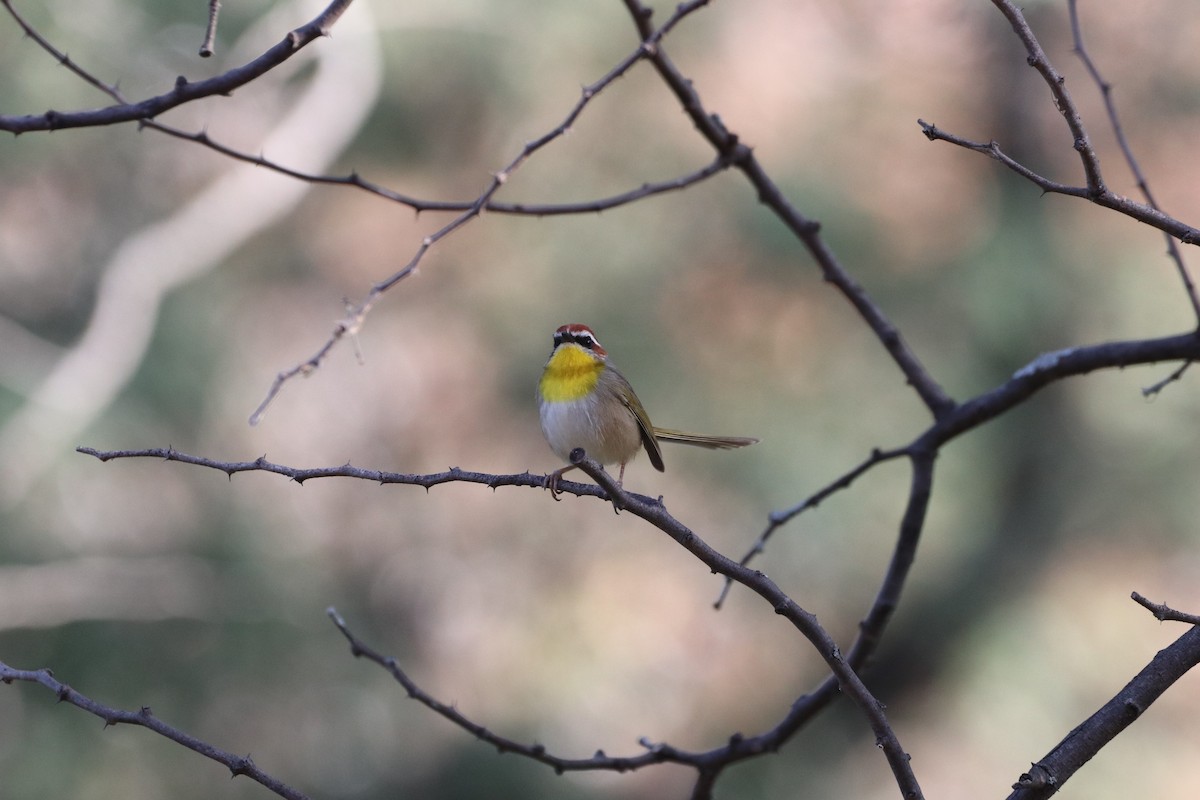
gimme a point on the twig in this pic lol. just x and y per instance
(873, 624)
(992, 150)
(1048, 775)
(653, 511)
(1157, 387)
(354, 320)
(237, 765)
(1119, 131)
(1164, 613)
(804, 621)
(1095, 189)
(922, 451)
(210, 33)
(356, 181)
(183, 90)
(806, 230)
(778, 519)
(1124, 205)
(300, 475)
(1051, 367)
(536, 752)
(1062, 98)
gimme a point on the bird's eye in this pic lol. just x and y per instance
(583, 338)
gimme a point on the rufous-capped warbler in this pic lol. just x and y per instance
(585, 402)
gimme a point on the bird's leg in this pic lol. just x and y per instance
(552, 480)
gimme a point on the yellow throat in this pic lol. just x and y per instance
(571, 374)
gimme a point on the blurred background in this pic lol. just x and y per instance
(150, 290)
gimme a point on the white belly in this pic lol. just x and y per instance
(574, 423)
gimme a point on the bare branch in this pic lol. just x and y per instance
(1157, 387)
(806, 230)
(1048, 775)
(873, 624)
(1095, 190)
(210, 32)
(992, 150)
(1050, 367)
(804, 621)
(1114, 120)
(357, 315)
(1041, 372)
(1124, 205)
(300, 475)
(237, 765)
(356, 181)
(1164, 613)
(1062, 98)
(536, 752)
(183, 91)
(59, 56)
(653, 511)
(904, 554)
(778, 519)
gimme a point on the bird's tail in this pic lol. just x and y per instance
(702, 440)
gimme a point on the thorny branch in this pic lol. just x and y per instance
(144, 717)
(921, 452)
(536, 752)
(951, 419)
(1164, 613)
(843, 678)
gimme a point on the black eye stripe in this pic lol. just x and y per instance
(583, 339)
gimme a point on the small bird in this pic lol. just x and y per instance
(585, 402)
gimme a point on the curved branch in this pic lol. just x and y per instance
(536, 752)
(1050, 367)
(873, 624)
(354, 180)
(183, 91)
(144, 717)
